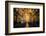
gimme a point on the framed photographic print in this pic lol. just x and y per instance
(24, 17)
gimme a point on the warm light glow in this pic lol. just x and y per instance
(26, 17)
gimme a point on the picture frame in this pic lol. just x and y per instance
(13, 5)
